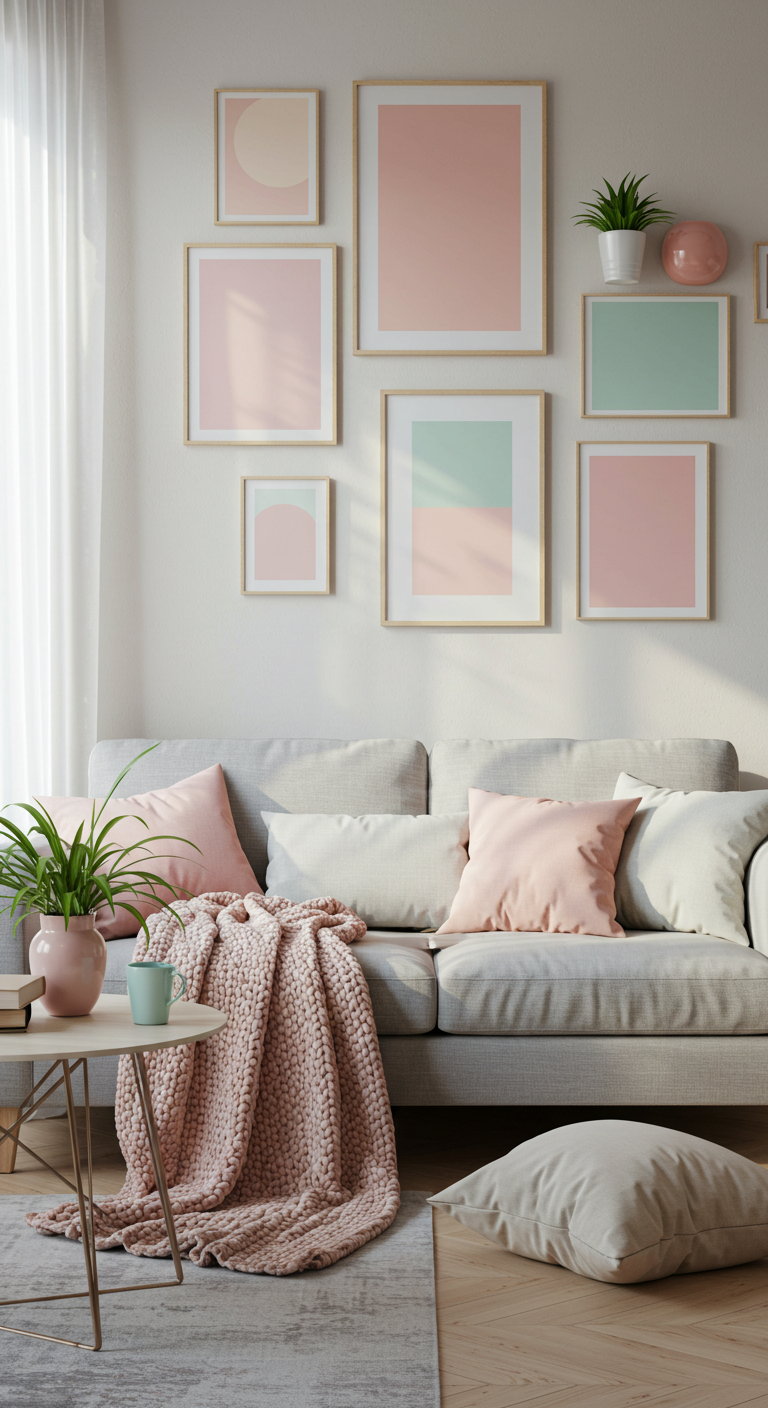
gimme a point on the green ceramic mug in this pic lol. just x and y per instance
(150, 988)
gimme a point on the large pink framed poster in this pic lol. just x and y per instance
(260, 344)
(450, 218)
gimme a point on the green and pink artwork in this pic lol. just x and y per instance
(450, 217)
(260, 342)
(463, 508)
(650, 356)
(285, 536)
(266, 156)
(643, 531)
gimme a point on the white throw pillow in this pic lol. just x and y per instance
(619, 1201)
(396, 872)
(684, 856)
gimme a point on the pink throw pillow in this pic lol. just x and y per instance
(197, 809)
(538, 866)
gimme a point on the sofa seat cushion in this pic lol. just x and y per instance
(398, 968)
(561, 984)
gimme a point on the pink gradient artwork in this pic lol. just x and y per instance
(284, 542)
(260, 358)
(449, 217)
(243, 194)
(462, 551)
(642, 530)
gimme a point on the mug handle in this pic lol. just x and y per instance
(182, 989)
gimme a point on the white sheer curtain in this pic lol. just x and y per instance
(52, 254)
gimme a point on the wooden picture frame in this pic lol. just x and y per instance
(252, 142)
(761, 282)
(454, 267)
(655, 356)
(463, 536)
(279, 553)
(240, 388)
(643, 529)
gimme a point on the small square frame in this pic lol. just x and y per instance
(761, 282)
(219, 156)
(322, 538)
(723, 300)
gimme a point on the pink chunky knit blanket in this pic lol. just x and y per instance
(277, 1134)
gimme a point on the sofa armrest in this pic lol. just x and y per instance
(15, 1076)
(756, 899)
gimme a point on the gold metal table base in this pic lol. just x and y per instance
(85, 1204)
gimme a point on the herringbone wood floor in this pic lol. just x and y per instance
(513, 1331)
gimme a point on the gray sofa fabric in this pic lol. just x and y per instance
(573, 770)
(575, 990)
(565, 984)
(398, 968)
(576, 1070)
(277, 775)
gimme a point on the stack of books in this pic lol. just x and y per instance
(17, 993)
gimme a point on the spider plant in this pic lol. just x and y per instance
(82, 876)
(621, 210)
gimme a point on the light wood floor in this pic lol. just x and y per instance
(514, 1331)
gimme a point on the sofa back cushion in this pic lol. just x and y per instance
(396, 872)
(574, 770)
(277, 774)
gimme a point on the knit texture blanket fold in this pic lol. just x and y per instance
(276, 1134)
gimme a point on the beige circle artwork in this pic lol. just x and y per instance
(272, 141)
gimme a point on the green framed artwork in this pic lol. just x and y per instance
(656, 356)
(462, 485)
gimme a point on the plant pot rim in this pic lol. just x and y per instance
(76, 921)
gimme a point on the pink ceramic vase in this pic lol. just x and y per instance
(694, 252)
(73, 962)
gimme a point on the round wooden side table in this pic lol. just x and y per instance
(69, 1042)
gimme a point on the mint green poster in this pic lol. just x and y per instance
(656, 356)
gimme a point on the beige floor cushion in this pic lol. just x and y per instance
(619, 1201)
(647, 984)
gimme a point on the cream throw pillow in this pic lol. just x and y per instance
(684, 856)
(618, 1201)
(396, 872)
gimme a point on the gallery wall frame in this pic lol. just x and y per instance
(260, 344)
(462, 535)
(655, 356)
(457, 266)
(266, 156)
(643, 530)
(285, 535)
(761, 282)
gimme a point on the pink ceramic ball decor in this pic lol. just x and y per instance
(73, 962)
(694, 252)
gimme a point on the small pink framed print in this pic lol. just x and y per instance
(285, 536)
(260, 344)
(644, 531)
(266, 167)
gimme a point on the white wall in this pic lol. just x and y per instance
(673, 87)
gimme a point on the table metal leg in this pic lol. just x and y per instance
(86, 1204)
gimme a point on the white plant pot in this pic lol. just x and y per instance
(622, 254)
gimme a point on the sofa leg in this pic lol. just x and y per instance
(8, 1116)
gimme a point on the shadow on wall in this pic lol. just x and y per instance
(752, 782)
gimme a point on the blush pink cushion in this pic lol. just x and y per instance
(538, 866)
(197, 809)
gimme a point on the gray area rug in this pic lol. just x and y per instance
(358, 1334)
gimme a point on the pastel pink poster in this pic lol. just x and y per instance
(260, 344)
(266, 157)
(449, 217)
(642, 530)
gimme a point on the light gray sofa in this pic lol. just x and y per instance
(498, 1019)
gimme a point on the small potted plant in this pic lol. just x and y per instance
(66, 887)
(622, 220)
